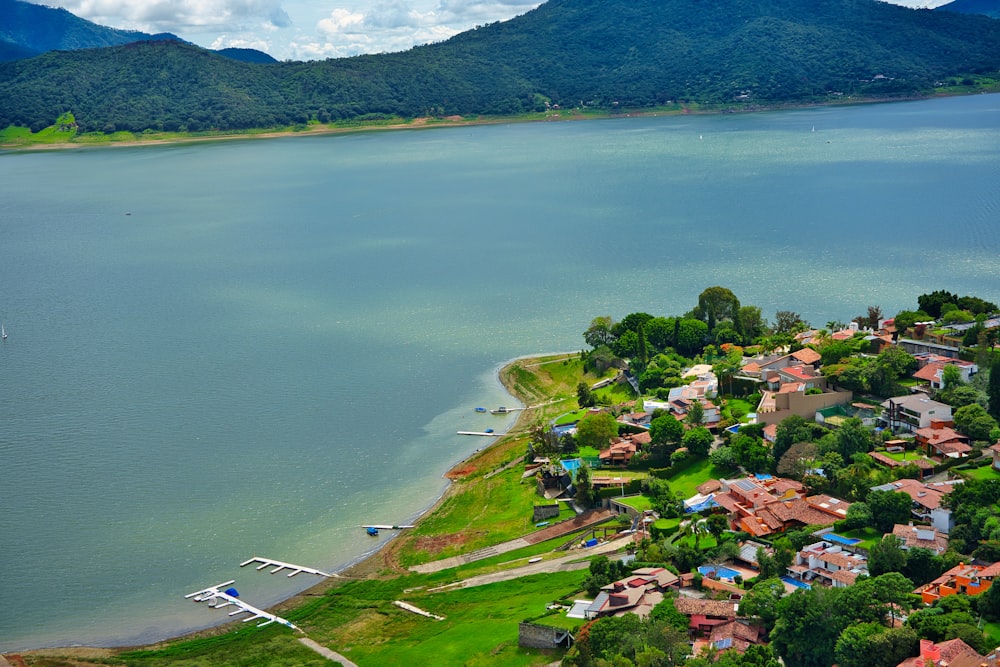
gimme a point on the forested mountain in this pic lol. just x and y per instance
(989, 8)
(602, 53)
(29, 29)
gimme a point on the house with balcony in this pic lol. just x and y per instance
(828, 564)
(913, 412)
(927, 500)
(963, 578)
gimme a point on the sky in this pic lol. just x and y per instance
(310, 29)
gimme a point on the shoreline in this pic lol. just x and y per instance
(426, 123)
(376, 563)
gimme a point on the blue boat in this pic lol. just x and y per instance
(480, 409)
(372, 531)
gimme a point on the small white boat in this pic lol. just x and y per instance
(3, 332)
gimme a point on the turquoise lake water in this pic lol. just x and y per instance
(246, 348)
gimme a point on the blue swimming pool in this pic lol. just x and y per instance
(724, 572)
(570, 465)
(795, 582)
(840, 539)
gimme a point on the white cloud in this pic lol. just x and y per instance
(181, 16)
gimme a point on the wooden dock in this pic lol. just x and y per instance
(279, 566)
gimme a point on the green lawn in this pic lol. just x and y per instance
(906, 456)
(985, 472)
(687, 480)
(480, 626)
(640, 503)
(992, 632)
(868, 536)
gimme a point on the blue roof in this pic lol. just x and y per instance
(723, 643)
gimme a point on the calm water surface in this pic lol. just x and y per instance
(251, 348)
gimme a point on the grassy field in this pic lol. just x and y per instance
(687, 480)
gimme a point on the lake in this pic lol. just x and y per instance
(229, 349)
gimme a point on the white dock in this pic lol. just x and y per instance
(379, 526)
(279, 566)
(217, 598)
(495, 435)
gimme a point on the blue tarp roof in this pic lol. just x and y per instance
(702, 506)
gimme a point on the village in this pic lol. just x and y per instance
(875, 497)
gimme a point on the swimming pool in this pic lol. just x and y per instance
(840, 539)
(570, 465)
(724, 572)
(795, 582)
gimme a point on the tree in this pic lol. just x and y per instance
(696, 414)
(859, 515)
(716, 304)
(751, 323)
(665, 430)
(871, 645)
(787, 321)
(974, 421)
(583, 396)
(584, 486)
(807, 626)
(871, 320)
(596, 430)
(761, 601)
(691, 335)
(994, 388)
(889, 508)
(932, 303)
(853, 438)
(887, 555)
(599, 332)
(797, 460)
(698, 441)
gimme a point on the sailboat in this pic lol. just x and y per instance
(3, 332)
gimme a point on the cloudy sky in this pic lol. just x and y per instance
(309, 29)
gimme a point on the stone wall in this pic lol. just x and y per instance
(543, 512)
(531, 635)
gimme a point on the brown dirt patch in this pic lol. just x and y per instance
(435, 544)
(459, 473)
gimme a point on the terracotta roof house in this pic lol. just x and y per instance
(637, 593)
(619, 453)
(761, 507)
(951, 653)
(706, 614)
(921, 537)
(930, 368)
(926, 498)
(828, 564)
(729, 636)
(967, 579)
(780, 402)
(771, 433)
(807, 356)
(913, 411)
(940, 439)
(994, 450)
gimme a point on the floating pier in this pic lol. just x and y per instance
(379, 526)
(495, 435)
(279, 566)
(218, 598)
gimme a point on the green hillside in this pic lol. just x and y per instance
(608, 54)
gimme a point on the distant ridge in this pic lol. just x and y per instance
(27, 30)
(604, 54)
(989, 8)
(34, 29)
